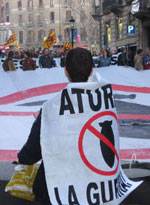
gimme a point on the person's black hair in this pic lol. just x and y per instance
(10, 54)
(28, 54)
(79, 64)
(139, 51)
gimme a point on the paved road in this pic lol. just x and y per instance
(141, 196)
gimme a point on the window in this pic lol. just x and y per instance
(52, 30)
(39, 20)
(120, 27)
(52, 17)
(7, 8)
(30, 18)
(7, 18)
(2, 12)
(51, 3)
(68, 15)
(40, 3)
(109, 32)
(20, 20)
(30, 36)
(20, 5)
(20, 37)
(30, 4)
(83, 2)
(41, 35)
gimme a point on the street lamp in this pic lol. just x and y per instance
(72, 22)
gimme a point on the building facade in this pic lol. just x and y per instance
(33, 19)
(120, 26)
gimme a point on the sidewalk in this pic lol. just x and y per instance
(141, 196)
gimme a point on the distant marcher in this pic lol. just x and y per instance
(122, 58)
(8, 64)
(28, 63)
(138, 60)
(104, 59)
(114, 56)
(146, 59)
(46, 60)
(130, 57)
(62, 60)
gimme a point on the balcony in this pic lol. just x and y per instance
(114, 6)
(141, 9)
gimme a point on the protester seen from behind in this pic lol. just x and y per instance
(78, 69)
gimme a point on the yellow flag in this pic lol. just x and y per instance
(67, 46)
(50, 40)
(11, 40)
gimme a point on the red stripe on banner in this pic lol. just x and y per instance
(131, 88)
(133, 117)
(120, 116)
(8, 155)
(21, 95)
(19, 114)
(38, 91)
(135, 154)
(127, 154)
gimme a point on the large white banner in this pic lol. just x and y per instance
(80, 147)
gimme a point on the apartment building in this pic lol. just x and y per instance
(33, 19)
(124, 23)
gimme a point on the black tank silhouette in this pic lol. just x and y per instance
(107, 153)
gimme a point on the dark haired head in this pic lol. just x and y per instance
(139, 51)
(28, 54)
(10, 54)
(79, 64)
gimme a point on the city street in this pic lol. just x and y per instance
(19, 104)
(81, 69)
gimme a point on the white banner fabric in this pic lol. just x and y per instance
(80, 147)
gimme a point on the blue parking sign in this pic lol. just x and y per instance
(131, 29)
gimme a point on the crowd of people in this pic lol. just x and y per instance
(27, 60)
(120, 57)
(124, 57)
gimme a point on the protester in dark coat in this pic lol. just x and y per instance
(104, 59)
(78, 69)
(46, 60)
(122, 58)
(8, 64)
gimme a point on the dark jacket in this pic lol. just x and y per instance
(47, 61)
(122, 59)
(30, 154)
